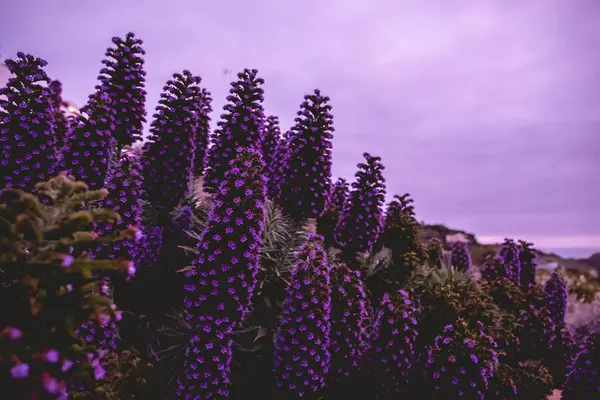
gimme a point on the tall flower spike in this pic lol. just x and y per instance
(302, 357)
(460, 256)
(527, 255)
(240, 127)
(122, 79)
(349, 321)
(583, 382)
(506, 264)
(461, 362)
(61, 124)
(555, 292)
(27, 152)
(392, 353)
(360, 224)
(168, 156)
(306, 184)
(270, 144)
(221, 284)
(204, 108)
(280, 157)
(328, 221)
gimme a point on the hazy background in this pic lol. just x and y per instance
(487, 112)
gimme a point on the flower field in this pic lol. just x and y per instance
(230, 264)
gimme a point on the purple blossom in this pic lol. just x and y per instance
(555, 293)
(240, 126)
(328, 221)
(302, 355)
(203, 109)
(270, 145)
(280, 156)
(27, 128)
(506, 264)
(583, 382)
(306, 183)
(527, 255)
(460, 256)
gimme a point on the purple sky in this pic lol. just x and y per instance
(487, 112)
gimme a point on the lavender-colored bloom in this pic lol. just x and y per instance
(555, 292)
(328, 221)
(349, 321)
(460, 256)
(392, 351)
(506, 264)
(583, 382)
(360, 224)
(306, 185)
(148, 247)
(527, 255)
(168, 156)
(302, 357)
(461, 362)
(27, 141)
(201, 136)
(276, 169)
(240, 126)
(122, 80)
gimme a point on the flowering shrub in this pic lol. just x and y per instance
(583, 382)
(48, 289)
(306, 183)
(302, 355)
(240, 126)
(360, 224)
(27, 137)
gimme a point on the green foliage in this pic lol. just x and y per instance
(49, 287)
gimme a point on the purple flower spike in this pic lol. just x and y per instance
(276, 169)
(555, 292)
(506, 264)
(168, 156)
(27, 128)
(527, 255)
(328, 221)
(583, 382)
(360, 224)
(460, 256)
(240, 126)
(270, 145)
(61, 123)
(203, 109)
(302, 357)
(392, 352)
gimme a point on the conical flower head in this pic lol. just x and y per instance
(506, 263)
(392, 353)
(122, 79)
(328, 221)
(461, 362)
(61, 124)
(276, 169)
(306, 184)
(349, 321)
(460, 256)
(270, 141)
(583, 382)
(538, 330)
(527, 255)
(401, 234)
(27, 152)
(360, 224)
(302, 357)
(203, 109)
(240, 126)
(168, 156)
(90, 143)
(219, 287)
(555, 292)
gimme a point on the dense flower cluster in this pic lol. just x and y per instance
(360, 224)
(461, 362)
(555, 292)
(270, 142)
(460, 256)
(61, 123)
(168, 156)
(392, 352)
(276, 176)
(527, 255)
(328, 221)
(506, 263)
(302, 357)
(583, 382)
(349, 321)
(148, 248)
(538, 330)
(27, 141)
(306, 184)
(240, 126)
(122, 80)
(401, 234)
(204, 108)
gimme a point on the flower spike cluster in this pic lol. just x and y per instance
(461, 362)
(306, 184)
(583, 382)
(349, 321)
(204, 108)
(506, 264)
(392, 353)
(241, 126)
(328, 221)
(302, 356)
(460, 256)
(276, 177)
(527, 255)
(555, 292)
(27, 152)
(122, 79)
(61, 124)
(360, 224)
(270, 140)
(168, 156)
(400, 234)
